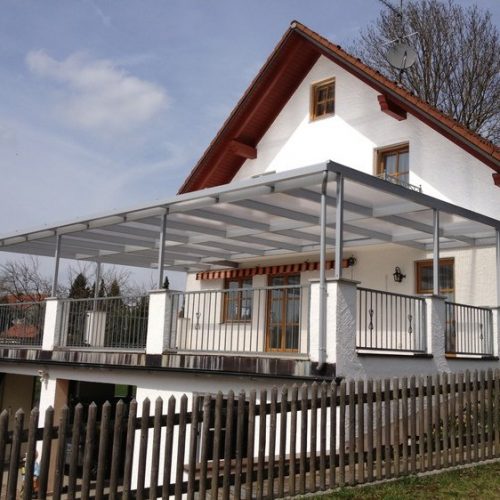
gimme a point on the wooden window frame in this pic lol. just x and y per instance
(227, 291)
(315, 87)
(382, 152)
(426, 263)
(283, 322)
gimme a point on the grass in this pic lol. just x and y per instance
(480, 482)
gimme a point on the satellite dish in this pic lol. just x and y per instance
(401, 56)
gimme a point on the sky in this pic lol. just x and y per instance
(109, 104)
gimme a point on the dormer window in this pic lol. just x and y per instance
(393, 163)
(323, 99)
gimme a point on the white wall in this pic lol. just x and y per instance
(350, 137)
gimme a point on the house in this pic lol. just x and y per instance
(336, 226)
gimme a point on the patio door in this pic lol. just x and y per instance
(283, 313)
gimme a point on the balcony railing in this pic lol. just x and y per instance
(21, 324)
(249, 321)
(396, 179)
(390, 322)
(104, 323)
(469, 330)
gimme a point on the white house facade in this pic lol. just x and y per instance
(337, 226)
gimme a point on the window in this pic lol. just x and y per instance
(238, 300)
(446, 277)
(394, 163)
(323, 99)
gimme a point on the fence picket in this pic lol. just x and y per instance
(261, 450)
(342, 450)
(283, 435)
(445, 420)
(453, 418)
(228, 441)
(322, 436)
(15, 455)
(61, 452)
(378, 424)
(272, 443)
(88, 450)
(215, 450)
(396, 432)
(482, 415)
(468, 414)
(169, 440)
(333, 435)
(404, 424)
(437, 422)
(497, 412)
(155, 452)
(207, 401)
(116, 451)
(428, 434)
(250, 445)
(313, 436)
(361, 432)
(352, 432)
(421, 423)
(46, 451)
(293, 439)
(303, 439)
(30, 455)
(387, 429)
(193, 447)
(103, 450)
(239, 444)
(489, 406)
(181, 447)
(129, 450)
(143, 448)
(75, 451)
(475, 416)
(369, 430)
(460, 419)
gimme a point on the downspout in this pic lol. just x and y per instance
(322, 277)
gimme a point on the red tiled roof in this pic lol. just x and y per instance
(277, 81)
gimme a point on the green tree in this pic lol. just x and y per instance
(79, 288)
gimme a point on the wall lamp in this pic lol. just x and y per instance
(398, 275)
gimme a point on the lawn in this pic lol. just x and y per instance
(473, 483)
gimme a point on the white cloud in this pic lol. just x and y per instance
(99, 96)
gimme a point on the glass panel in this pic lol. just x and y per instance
(390, 163)
(275, 337)
(292, 311)
(294, 279)
(404, 162)
(292, 337)
(446, 276)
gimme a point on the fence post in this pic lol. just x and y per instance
(436, 330)
(52, 323)
(159, 322)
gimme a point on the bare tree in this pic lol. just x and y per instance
(23, 280)
(458, 59)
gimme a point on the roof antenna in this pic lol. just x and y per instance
(400, 55)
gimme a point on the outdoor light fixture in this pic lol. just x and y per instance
(351, 261)
(398, 275)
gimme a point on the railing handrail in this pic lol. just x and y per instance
(13, 304)
(250, 289)
(92, 299)
(480, 308)
(405, 296)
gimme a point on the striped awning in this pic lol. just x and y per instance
(270, 270)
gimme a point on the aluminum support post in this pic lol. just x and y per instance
(161, 250)
(435, 255)
(56, 266)
(322, 274)
(339, 226)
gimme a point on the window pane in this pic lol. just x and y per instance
(404, 163)
(390, 163)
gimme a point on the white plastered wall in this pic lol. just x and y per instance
(350, 137)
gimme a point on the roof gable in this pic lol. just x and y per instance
(282, 73)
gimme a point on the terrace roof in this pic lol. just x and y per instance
(271, 215)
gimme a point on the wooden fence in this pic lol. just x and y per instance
(284, 442)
